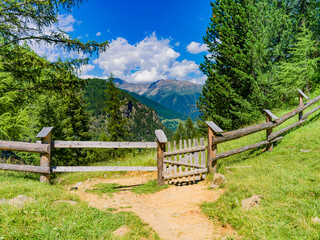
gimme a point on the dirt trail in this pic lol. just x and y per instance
(174, 213)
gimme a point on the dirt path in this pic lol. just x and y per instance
(174, 213)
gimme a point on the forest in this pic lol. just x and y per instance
(260, 53)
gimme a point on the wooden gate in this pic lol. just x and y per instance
(185, 161)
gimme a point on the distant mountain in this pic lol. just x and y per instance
(180, 96)
(143, 121)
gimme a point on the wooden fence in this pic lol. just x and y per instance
(216, 134)
(172, 164)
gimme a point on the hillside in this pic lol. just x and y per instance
(143, 121)
(180, 96)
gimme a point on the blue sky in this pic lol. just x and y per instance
(149, 40)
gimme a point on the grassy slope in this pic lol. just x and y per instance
(288, 179)
(48, 220)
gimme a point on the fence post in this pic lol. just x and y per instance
(269, 117)
(213, 129)
(161, 143)
(301, 95)
(45, 135)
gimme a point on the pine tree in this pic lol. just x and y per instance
(299, 70)
(180, 132)
(117, 124)
(190, 129)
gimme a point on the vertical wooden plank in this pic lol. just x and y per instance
(169, 158)
(269, 146)
(180, 156)
(300, 105)
(191, 154)
(196, 154)
(203, 157)
(175, 156)
(45, 158)
(161, 150)
(185, 155)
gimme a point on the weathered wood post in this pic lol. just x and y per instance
(213, 129)
(45, 135)
(269, 117)
(161, 143)
(301, 96)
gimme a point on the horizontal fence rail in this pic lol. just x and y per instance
(24, 147)
(103, 169)
(96, 144)
(24, 168)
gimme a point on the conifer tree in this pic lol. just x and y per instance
(298, 71)
(180, 132)
(117, 124)
(190, 129)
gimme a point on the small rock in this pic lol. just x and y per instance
(218, 179)
(251, 202)
(73, 188)
(77, 184)
(305, 150)
(19, 201)
(121, 231)
(316, 220)
(66, 201)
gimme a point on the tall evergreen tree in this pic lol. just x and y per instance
(180, 132)
(117, 124)
(191, 131)
(299, 70)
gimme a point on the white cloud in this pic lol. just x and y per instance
(66, 23)
(98, 34)
(195, 48)
(148, 60)
(177, 44)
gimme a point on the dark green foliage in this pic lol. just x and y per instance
(191, 131)
(180, 133)
(116, 124)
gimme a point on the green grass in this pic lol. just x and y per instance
(287, 177)
(101, 188)
(148, 188)
(46, 219)
(109, 188)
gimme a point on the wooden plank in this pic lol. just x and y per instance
(302, 93)
(203, 157)
(169, 158)
(44, 132)
(97, 144)
(24, 147)
(185, 155)
(161, 137)
(175, 156)
(180, 156)
(190, 154)
(243, 149)
(262, 126)
(276, 134)
(214, 127)
(184, 164)
(103, 169)
(24, 168)
(185, 174)
(196, 155)
(269, 146)
(186, 150)
(310, 112)
(271, 115)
